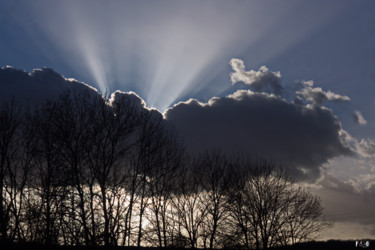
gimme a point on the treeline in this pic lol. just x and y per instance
(310, 245)
(82, 171)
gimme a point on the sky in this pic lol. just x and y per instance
(292, 81)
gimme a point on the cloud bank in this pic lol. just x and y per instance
(301, 137)
(299, 132)
(40, 85)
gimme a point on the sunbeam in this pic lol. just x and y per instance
(156, 51)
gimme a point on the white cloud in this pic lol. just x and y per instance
(261, 80)
(366, 147)
(358, 118)
(317, 96)
(363, 181)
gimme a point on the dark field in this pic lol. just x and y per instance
(318, 245)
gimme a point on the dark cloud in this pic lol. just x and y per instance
(302, 137)
(316, 95)
(136, 102)
(261, 80)
(358, 118)
(344, 203)
(45, 84)
(37, 86)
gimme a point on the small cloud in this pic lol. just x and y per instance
(366, 148)
(261, 80)
(133, 104)
(358, 118)
(133, 97)
(317, 96)
(363, 181)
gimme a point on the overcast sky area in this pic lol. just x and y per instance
(290, 81)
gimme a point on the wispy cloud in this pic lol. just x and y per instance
(358, 118)
(318, 96)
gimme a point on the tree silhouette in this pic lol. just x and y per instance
(10, 123)
(271, 210)
(81, 171)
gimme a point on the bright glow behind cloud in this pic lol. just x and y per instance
(157, 49)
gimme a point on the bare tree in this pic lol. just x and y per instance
(166, 159)
(111, 137)
(216, 172)
(189, 206)
(19, 166)
(48, 173)
(9, 147)
(139, 170)
(79, 170)
(270, 209)
(303, 218)
(72, 121)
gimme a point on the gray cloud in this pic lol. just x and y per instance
(358, 118)
(261, 80)
(45, 84)
(317, 96)
(347, 205)
(302, 137)
(37, 86)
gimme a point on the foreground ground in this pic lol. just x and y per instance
(319, 245)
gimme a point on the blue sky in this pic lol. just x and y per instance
(170, 51)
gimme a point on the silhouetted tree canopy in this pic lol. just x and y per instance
(80, 170)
